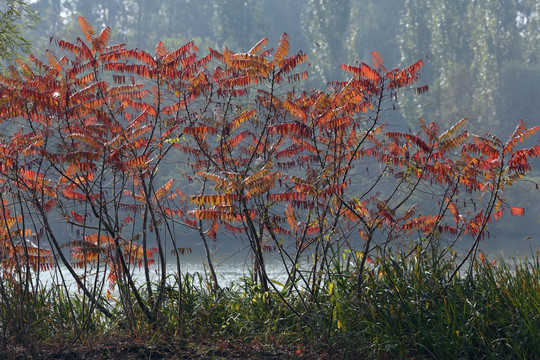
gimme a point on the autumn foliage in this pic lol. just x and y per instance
(107, 152)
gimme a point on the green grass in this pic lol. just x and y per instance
(410, 307)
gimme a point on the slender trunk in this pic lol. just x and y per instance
(208, 255)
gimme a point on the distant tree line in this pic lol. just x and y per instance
(475, 51)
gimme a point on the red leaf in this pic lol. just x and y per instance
(517, 211)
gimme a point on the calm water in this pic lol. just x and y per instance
(227, 272)
(232, 268)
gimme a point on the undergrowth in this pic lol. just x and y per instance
(410, 306)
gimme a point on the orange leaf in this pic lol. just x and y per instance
(86, 28)
(291, 216)
(377, 60)
(101, 41)
(257, 47)
(282, 49)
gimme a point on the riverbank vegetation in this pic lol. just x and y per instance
(114, 159)
(411, 307)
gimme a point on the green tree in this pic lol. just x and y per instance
(528, 20)
(347, 31)
(468, 46)
(374, 28)
(15, 17)
(325, 24)
(239, 24)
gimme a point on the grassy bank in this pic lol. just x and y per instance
(410, 307)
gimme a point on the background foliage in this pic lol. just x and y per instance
(16, 18)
